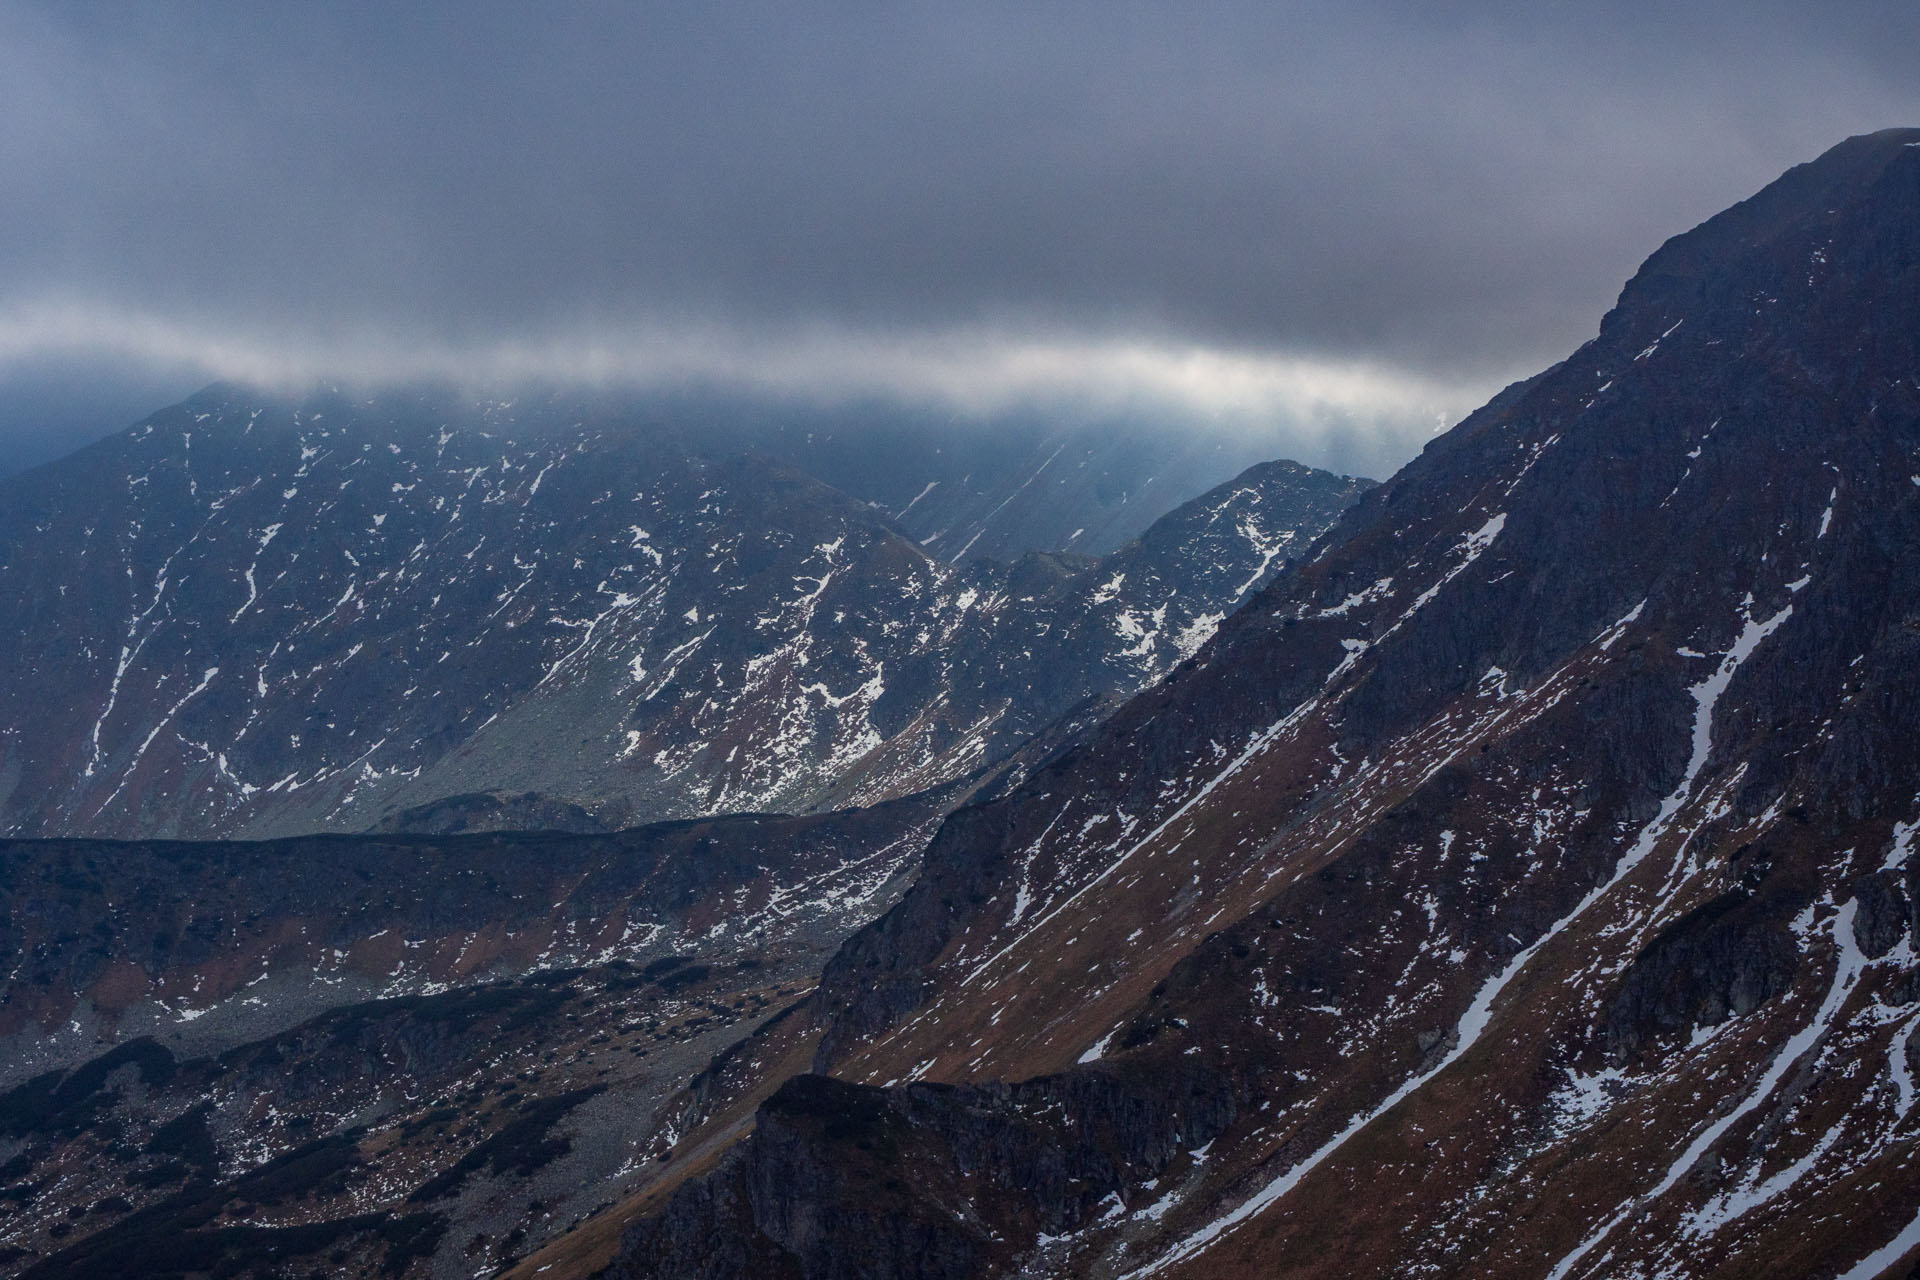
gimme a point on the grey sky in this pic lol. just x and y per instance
(1259, 212)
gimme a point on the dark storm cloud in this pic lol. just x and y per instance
(939, 195)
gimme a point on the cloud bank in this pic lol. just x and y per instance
(980, 372)
(1225, 209)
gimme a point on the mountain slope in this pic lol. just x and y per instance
(254, 618)
(1523, 887)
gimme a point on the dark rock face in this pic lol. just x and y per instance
(1881, 921)
(1721, 960)
(1532, 863)
(254, 618)
(844, 1181)
(396, 1054)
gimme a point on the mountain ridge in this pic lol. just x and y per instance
(585, 615)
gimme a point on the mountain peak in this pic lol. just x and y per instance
(1865, 186)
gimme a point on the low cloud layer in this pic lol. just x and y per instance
(1229, 210)
(1345, 411)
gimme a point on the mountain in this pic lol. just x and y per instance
(252, 617)
(1520, 883)
(1522, 886)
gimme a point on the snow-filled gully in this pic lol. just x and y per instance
(1846, 973)
(1474, 1022)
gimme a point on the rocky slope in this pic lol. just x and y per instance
(424, 1054)
(204, 946)
(256, 618)
(1524, 887)
(434, 1134)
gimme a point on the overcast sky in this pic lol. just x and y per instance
(1266, 214)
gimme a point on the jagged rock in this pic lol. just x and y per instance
(212, 945)
(1722, 960)
(1881, 920)
(841, 1181)
(493, 811)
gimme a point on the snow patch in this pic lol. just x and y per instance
(1099, 1048)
